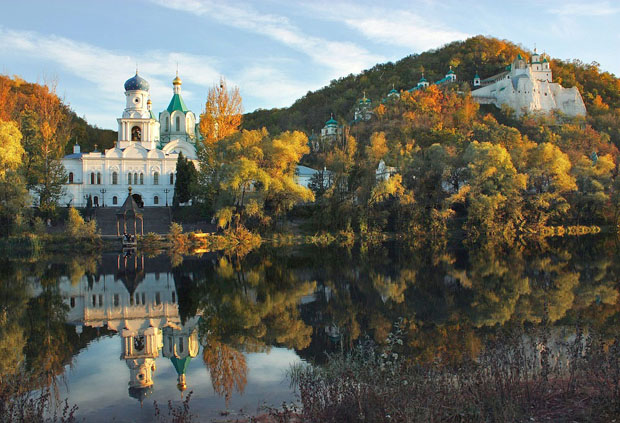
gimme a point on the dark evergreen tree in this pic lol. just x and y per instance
(185, 180)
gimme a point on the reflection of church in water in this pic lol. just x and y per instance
(143, 309)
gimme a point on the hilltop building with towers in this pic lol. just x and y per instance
(528, 87)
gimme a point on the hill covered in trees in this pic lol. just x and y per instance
(487, 56)
(21, 101)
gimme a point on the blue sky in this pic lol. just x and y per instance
(274, 50)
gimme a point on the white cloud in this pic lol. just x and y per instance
(584, 9)
(107, 70)
(341, 56)
(403, 29)
(390, 26)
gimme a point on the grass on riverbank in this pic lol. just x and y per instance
(522, 378)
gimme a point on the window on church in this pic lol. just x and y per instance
(72, 302)
(92, 178)
(171, 178)
(135, 178)
(136, 133)
(129, 178)
(157, 298)
(142, 179)
(70, 177)
(98, 178)
(178, 123)
(167, 124)
(115, 200)
(116, 297)
(156, 200)
(94, 300)
(156, 178)
(96, 201)
(114, 178)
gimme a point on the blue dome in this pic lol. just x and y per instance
(136, 83)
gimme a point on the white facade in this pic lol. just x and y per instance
(528, 88)
(139, 159)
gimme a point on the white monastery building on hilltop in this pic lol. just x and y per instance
(144, 156)
(528, 88)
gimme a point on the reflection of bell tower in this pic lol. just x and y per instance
(180, 346)
(139, 350)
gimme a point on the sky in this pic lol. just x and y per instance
(275, 51)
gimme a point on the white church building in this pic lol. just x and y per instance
(144, 157)
(528, 88)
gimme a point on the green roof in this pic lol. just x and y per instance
(152, 115)
(177, 103)
(545, 60)
(519, 56)
(180, 364)
(332, 121)
(422, 79)
(393, 91)
(450, 72)
(477, 76)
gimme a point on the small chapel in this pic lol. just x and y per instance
(144, 157)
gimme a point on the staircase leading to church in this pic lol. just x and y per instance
(156, 219)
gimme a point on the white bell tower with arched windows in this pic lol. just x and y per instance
(138, 124)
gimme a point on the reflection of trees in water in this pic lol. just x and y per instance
(317, 299)
(227, 367)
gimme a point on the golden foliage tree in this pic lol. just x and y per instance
(222, 115)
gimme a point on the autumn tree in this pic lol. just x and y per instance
(13, 194)
(221, 118)
(222, 114)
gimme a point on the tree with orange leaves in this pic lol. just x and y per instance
(222, 114)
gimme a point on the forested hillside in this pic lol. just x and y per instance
(487, 56)
(23, 102)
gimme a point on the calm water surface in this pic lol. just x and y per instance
(120, 332)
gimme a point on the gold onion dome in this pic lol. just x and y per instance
(177, 81)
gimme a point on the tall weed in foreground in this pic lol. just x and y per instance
(20, 404)
(539, 376)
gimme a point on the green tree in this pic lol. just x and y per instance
(186, 175)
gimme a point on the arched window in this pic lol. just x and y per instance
(135, 178)
(178, 123)
(115, 200)
(136, 133)
(98, 178)
(156, 200)
(92, 178)
(129, 178)
(70, 177)
(167, 123)
(114, 178)
(96, 201)
(142, 179)
(156, 178)
(171, 178)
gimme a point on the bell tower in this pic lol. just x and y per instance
(138, 124)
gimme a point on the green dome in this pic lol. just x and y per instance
(331, 122)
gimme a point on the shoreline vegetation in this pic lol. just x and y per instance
(80, 236)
